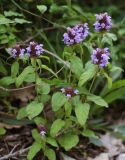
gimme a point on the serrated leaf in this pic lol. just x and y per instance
(34, 109)
(82, 112)
(50, 154)
(56, 127)
(42, 87)
(42, 8)
(68, 141)
(87, 75)
(97, 100)
(14, 69)
(58, 100)
(76, 66)
(35, 148)
(28, 70)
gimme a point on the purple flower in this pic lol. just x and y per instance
(103, 22)
(41, 129)
(34, 49)
(16, 51)
(76, 34)
(69, 91)
(100, 56)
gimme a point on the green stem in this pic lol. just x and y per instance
(57, 57)
(90, 88)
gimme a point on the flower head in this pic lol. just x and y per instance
(41, 129)
(100, 56)
(34, 49)
(69, 91)
(16, 51)
(76, 34)
(103, 22)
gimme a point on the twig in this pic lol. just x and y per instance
(56, 56)
(17, 153)
(16, 89)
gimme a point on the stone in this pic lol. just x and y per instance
(121, 157)
(102, 156)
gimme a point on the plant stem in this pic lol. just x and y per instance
(93, 81)
(57, 57)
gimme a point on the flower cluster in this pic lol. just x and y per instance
(103, 22)
(69, 91)
(33, 50)
(76, 34)
(100, 56)
(16, 51)
(41, 129)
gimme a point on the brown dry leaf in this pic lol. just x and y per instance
(24, 95)
(7, 126)
(113, 145)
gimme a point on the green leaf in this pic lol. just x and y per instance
(82, 112)
(5, 21)
(56, 127)
(34, 109)
(44, 98)
(35, 148)
(76, 66)
(28, 70)
(58, 100)
(39, 120)
(112, 36)
(68, 141)
(22, 113)
(88, 74)
(68, 109)
(116, 85)
(21, 21)
(11, 13)
(2, 131)
(2, 68)
(42, 87)
(97, 100)
(52, 141)
(42, 8)
(50, 154)
(6, 81)
(36, 136)
(109, 79)
(14, 69)
(49, 69)
(115, 94)
(89, 133)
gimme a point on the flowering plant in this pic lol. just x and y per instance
(65, 100)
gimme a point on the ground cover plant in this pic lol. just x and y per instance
(62, 74)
